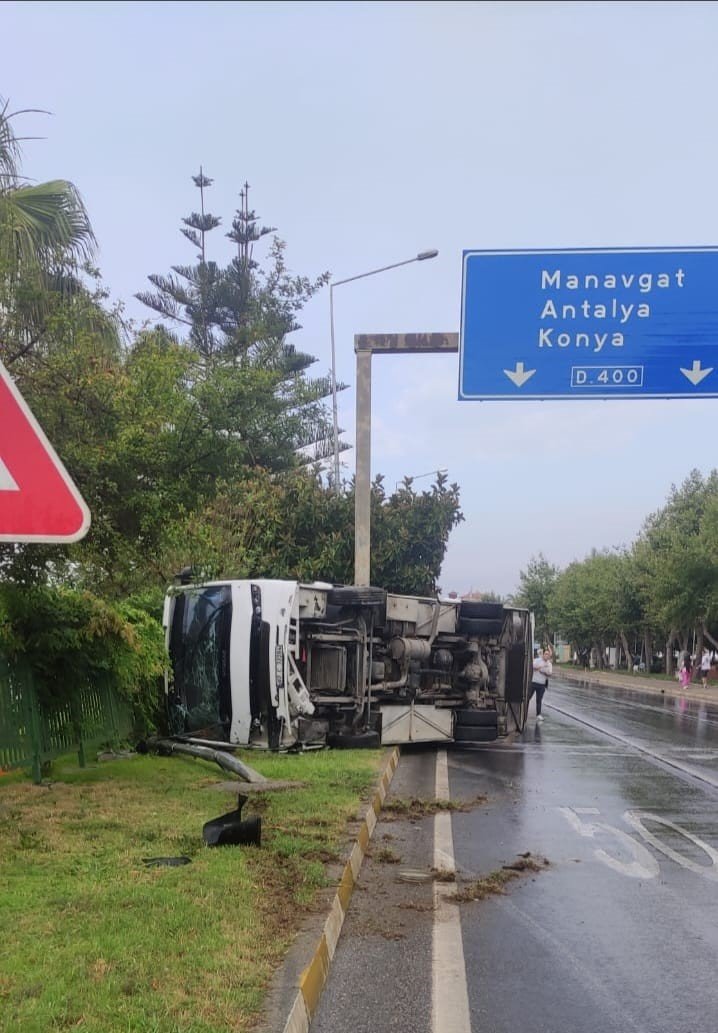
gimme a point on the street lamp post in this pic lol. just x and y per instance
(421, 257)
(416, 476)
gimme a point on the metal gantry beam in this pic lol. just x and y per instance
(365, 345)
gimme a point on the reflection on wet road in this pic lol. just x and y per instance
(618, 934)
(680, 731)
(618, 791)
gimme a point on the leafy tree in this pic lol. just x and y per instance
(665, 588)
(595, 604)
(534, 592)
(195, 445)
(69, 379)
(708, 563)
(673, 558)
(293, 526)
(410, 532)
(632, 621)
(128, 430)
(571, 607)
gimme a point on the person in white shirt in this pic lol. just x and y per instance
(543, 669)
(705, 666)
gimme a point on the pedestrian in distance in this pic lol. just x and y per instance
(543, 669)
(705, 666)
(686, 672)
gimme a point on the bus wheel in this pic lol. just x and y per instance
(477, 718)
(472, 733)
(356, 595)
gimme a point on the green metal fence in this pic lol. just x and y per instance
(31, 734)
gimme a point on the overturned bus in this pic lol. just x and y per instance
(282, 664)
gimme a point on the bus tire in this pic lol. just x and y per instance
(479, 626)
(477, 718)
(470, 733)
(356, 595)
(488, 611)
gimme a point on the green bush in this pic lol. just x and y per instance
(71, 638)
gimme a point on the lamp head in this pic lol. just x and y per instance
(423, 255)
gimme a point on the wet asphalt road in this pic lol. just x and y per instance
(619, 792)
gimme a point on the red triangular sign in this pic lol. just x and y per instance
(38, 500)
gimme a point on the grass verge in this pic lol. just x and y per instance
(96, 941)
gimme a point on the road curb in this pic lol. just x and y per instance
(314, 976)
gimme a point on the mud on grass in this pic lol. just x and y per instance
(164, 949)
(495, 883)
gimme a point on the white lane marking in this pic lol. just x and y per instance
(449, 992)
(710, 756)
(442, 859)
(687, 769)
(643, 866)
(636, 819)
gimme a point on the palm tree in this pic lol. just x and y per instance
(44, 233)
(39, 223)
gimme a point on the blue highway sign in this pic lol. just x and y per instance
(600, 323)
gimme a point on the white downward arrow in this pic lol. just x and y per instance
(519, 376)
(696, 374)
(7, 481)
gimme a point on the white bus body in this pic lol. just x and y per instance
(282, 664)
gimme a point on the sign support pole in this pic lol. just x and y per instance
(365, 345)
(362, 483)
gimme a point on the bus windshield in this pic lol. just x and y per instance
(200, 702)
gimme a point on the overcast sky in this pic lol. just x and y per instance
(372, 131)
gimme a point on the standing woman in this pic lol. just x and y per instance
(686, 673)
(705, 666)
(543, 669)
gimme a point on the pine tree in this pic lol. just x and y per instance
(191, 296)
(238, 318)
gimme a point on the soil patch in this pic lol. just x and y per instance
(415, 808)
(494, 883)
